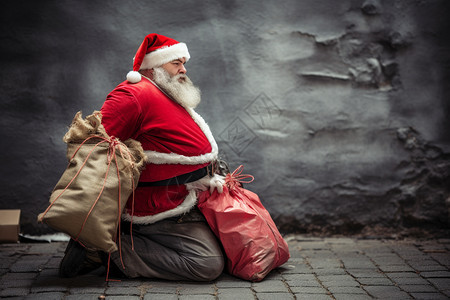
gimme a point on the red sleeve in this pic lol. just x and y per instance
(121, 114)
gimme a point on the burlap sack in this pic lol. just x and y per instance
(88, 200)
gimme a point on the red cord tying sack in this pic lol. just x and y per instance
(252, 243)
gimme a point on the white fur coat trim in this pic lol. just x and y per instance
(188, 203)
(173, 158)
(207, 182)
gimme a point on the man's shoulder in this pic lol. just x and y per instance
(143, 85)
(139, 90)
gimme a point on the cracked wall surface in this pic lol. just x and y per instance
(338, 108)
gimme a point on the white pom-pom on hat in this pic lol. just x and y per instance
(134, 77)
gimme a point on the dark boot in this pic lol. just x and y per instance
(78, 260)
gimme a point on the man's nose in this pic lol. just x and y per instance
(182, 70)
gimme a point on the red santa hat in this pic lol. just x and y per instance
(155, 51)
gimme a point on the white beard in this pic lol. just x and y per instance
(179, 87)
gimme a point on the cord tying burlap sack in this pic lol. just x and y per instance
(88, 200)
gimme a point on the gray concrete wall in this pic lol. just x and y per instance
(338, 108)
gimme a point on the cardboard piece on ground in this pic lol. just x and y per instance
(9, 225)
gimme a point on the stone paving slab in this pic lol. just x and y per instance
(319, 268)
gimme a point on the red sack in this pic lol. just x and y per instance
(250, 238)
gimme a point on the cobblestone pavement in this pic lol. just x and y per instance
(319, 268)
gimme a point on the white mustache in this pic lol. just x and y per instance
(180, 78)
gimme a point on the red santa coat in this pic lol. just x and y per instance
(176, 141)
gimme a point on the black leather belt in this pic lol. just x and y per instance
(181, 179)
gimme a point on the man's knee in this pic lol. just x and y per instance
(207, 268)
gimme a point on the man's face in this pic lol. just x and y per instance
(178, 86)
(176, 67)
